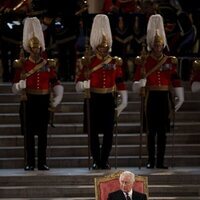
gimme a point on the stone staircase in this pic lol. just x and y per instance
(70, 178)
(78, 183)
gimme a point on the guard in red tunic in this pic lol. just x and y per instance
(35, 78)
(158, 74)
(195, 76)
(102, 76)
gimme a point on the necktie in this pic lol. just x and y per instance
(127, 197)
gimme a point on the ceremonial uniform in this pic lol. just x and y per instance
(164, 76)
(159, 102)
(157, 73)
(35, 80)
(105, 80)
(37, 104)
(195, 76)
(101, 77)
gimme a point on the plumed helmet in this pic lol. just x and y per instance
(101, 32)
(34, 42)
(33, 34)
(104, 41)
(155, 31)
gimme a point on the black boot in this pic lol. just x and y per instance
(105, 166)
(95, 166)
(161, 166)
(150, 165)
(161, 144)
(43, 167)
(29, 168)
(151, 151)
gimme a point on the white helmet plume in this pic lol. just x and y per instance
(100, 30)
(32, 28)
(155, 28)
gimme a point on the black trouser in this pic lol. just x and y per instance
(102, 108)
(157, 124)
(36, 122)
(161, 144)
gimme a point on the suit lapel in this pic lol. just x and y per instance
(122, 196)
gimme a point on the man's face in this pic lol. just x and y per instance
(103, 50)
(158, 47)
(35, 50)
(125, 184)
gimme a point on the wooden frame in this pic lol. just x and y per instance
(110, 183)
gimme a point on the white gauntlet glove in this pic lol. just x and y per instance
(82, 85)
(139, 84)
(124, 102)
(179, 97)
(18, 87)
(195, 86)
(58, 91)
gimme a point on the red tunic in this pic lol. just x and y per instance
(195, 75)
(42, 80)
(165, 75)
(108, 76)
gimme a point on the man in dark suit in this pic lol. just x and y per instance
(126, 191)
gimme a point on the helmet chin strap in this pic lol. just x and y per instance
(35, 56)
(102, 54)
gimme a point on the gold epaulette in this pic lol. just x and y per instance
(118, 60)
(174, 60)
(86, 60)
(139, 60)
(196, 65)
(52, 63)
(18, 63)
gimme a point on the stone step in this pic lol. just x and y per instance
(190, 105)
(70, 191)
(82, 150)
(125, 117)
(168, 190)
(70, 198)
(93, 198)
(68, 150)
(77, 183)
(84, 176)
(173, 198)
(82, 139)
(77, 128)
(122, 161)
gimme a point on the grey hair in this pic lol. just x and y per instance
(129, 174)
